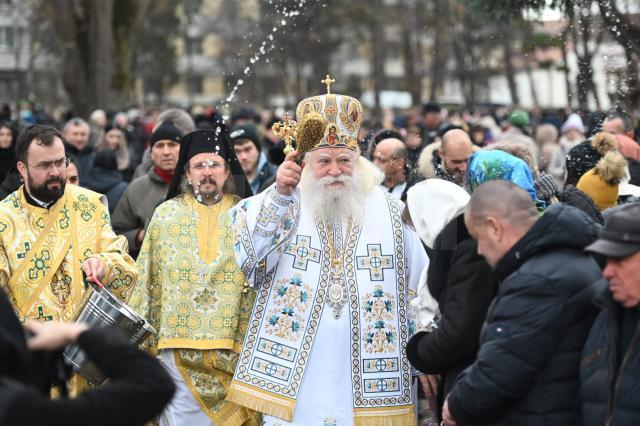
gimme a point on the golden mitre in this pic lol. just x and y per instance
(343, 115)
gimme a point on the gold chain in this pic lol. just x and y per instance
(337, 260)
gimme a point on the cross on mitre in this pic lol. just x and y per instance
(328, 81)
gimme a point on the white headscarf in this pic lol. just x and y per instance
(432, 204)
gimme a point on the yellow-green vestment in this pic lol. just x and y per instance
(42, 250)
(192, 291)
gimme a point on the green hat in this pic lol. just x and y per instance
(519, 117)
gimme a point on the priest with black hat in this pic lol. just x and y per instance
(190, 287)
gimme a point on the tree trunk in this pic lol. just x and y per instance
(438, 60)
(507, 50)
(377, 60)
(412, 81)
(85, 34)
(567, 81)
(101, 52)
(532, 86)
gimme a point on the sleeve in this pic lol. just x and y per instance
(417, 260)
(5, 272)
(147, 293)
(468, 293)
(262, 224)
(138, 389)
(528, 323)
(120, 269)
(124, 219)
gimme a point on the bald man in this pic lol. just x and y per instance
(526, 371)
(455, 150)
(390, 156)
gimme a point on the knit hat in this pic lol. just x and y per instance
(584, 156)
(573, 122)
(546, 187)
(166, 131)
(519, 118)
(431, 107)
(386, 134)
(601, 183)
(572, 196)
(247, 131)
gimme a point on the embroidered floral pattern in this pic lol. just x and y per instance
(379, 309)
(291, 300)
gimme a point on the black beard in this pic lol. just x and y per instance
(45, 194)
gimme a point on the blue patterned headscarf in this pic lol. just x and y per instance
(498, 165)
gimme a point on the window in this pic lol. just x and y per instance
(6, 38)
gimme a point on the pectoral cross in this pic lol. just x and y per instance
(285, 129)
(328, 81)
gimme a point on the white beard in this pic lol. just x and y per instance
(332, 204)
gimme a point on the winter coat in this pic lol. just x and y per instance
(11, 182)
(610, 380)
(137, 390)
(527, 368)
(105, 179)
(266, 172)
(135, 209)
(84, 160)
(462, 283)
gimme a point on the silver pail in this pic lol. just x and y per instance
(101, 308)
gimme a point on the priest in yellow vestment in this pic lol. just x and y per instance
(191, 288)
(53, 235)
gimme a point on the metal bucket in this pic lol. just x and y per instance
(101, 308)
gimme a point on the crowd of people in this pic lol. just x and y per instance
(433, 266)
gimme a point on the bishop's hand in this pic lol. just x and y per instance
(288, 175)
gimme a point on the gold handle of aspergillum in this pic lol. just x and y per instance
(285, 129)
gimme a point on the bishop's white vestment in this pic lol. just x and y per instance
(325, 342)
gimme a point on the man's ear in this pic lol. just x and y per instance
(22, 169)
(494, 228)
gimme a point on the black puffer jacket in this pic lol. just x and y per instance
(462, 283)
(527, 369)
(606, 374)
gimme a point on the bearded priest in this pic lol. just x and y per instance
(334, 267)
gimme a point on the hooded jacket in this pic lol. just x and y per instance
(610, 379)
(527, 368)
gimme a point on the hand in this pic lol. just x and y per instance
(139, 238)
(288, 175)
(447, 418)
(429, 383)
(94, 269)
(50, 336)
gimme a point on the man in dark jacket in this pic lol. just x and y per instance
(76, 144)
(610, 366)
(138, 388)
(135, 209)
(248, 149)
(527, 369)
(460, 280)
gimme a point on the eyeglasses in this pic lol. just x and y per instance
(200, 167)
(45, 166)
